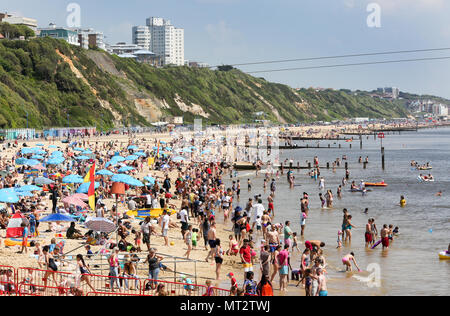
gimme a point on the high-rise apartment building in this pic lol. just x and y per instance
(141, 36)
(167, 41)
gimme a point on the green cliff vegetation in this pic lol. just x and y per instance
(54, 82)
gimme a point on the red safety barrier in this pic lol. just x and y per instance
(8, 281)
(36, 282)
(221, 292)
(112, 294)
(180, 289)
(44, 278)
(40, 290)
(109, 284)
(173, 288)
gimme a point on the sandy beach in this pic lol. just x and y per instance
(200, 269)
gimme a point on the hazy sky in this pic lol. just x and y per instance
(237, 31)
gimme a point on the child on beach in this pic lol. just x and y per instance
(295, 242)
(308, 282)
(339, 240)
(322, 200)
(89, 252)
(234, 283)
(194, 238)
(188, 241)
(137, 239)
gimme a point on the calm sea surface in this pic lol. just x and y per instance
(411, 266)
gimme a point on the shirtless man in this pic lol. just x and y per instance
(212, 237)
(369, 233)
(265, 220)
(317, 244)
(274, 239)
(385, 237)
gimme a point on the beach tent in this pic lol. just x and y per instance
(14, 229)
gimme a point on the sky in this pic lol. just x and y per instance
(240, 31)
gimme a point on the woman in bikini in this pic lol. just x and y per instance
(347, 261)
(233, 247)
(50, 265)
(275, 264)
(85, 272)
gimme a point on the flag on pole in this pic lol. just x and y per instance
(87, 178)
(91, 192)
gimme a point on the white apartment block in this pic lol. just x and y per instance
(89, 38)
(141, 36)
(31, 23)
(166, 41)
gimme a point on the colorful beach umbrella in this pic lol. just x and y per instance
(71, 200)
(132, 158)
(105, 172)
(28, 188)
(8, 196)
(100, 224)
(56, 161)
(31, 162)
(123, 178)
(21, 161)
(43, 181)
(125, 169)
(150, 180)
(57, 218)
(73, 178)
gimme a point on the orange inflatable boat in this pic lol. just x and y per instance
(378, 184)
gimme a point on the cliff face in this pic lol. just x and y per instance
(53, 81)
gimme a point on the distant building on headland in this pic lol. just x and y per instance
(141, 36)
(123, 48)
(390, 92)
(431, 107)
(196, 64)
(19, 20)
(176, 120)
(67, 34)
(163, 39)
(84, 38)
(135, 52)
(89, 38)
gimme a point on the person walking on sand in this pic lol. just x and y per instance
(84, 271)
(218, 258)
(283, 262)
(212, 237)
(165, 227)
(188, 241)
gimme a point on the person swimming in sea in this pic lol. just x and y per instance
(402, 201)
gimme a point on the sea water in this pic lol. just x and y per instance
(411, 265)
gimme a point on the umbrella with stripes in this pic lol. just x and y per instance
(100, 224)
